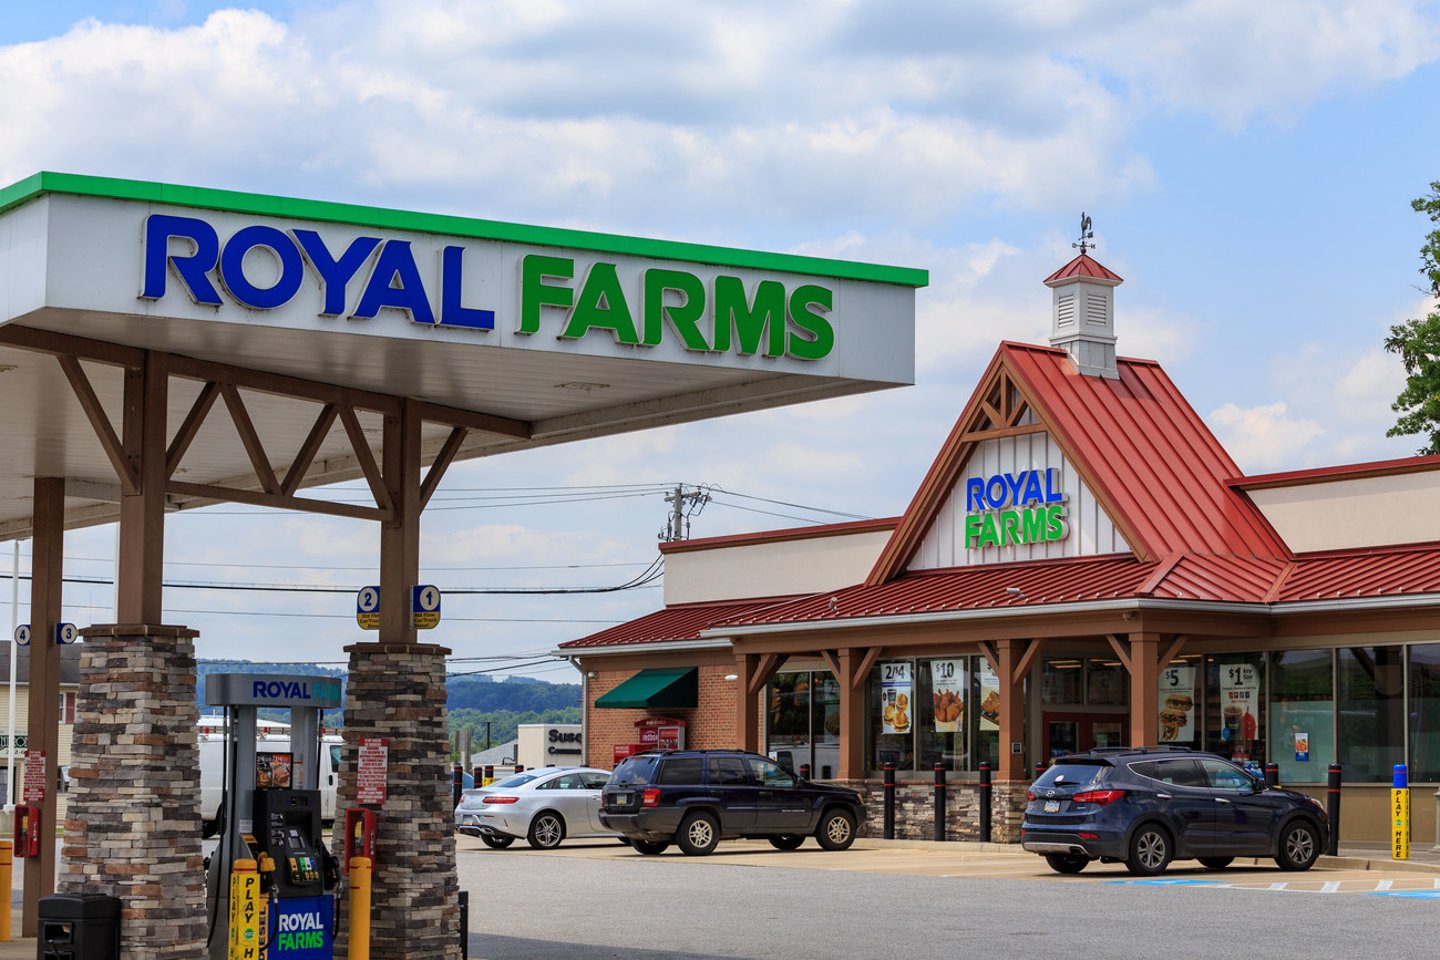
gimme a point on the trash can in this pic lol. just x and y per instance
(79, 926)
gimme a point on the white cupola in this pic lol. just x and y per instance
(1083, 322)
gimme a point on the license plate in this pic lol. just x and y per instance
(1052, 806)
(621, 799)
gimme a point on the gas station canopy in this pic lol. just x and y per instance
(309, 321)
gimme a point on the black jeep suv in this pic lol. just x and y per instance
(1146, 807)
(697, 798)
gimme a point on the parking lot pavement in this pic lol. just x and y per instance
(1346, 875)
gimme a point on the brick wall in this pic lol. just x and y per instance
(710, 725)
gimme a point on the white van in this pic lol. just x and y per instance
(272, 751)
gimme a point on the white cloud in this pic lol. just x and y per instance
(1264, 438)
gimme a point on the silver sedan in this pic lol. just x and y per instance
(542, 806)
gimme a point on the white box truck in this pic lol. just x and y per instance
(273, 760)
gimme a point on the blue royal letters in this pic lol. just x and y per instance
(394, 281)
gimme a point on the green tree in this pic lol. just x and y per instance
(1418, 344)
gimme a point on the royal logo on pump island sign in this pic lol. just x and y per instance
(1014, 508)
(570, 298)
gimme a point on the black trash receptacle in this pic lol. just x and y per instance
(79, 926)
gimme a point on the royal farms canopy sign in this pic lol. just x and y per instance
(526, 335)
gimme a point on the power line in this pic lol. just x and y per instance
(651, 573)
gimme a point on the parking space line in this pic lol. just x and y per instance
(1330, 886)
(1384, 884)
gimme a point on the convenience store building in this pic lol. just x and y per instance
(1083, 565)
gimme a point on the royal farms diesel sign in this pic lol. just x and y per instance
(365, 277)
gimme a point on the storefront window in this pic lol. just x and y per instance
(1235, 720)
(1106, 683)
(891, 691)
(803, 706)
(1180, 703)
(940, 705)
(985, 694)
(824, 724)
(1372, 718)
(1302, 723)
(1424, 713)
(1062, 682)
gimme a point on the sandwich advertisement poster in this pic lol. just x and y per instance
(895, 693)
(1177, 704)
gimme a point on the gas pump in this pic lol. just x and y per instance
(271, 815)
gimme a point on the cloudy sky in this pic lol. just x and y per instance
(1248, 167)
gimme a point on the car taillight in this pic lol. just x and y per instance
(651, 797)
(1029, 794)
(1098, 797)
(502, 799)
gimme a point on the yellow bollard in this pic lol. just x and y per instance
(7, 860)
(359, 908)
(244, 911)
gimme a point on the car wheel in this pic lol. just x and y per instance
(546, 831)
(624, 840)
(1299, 846)
(1066, 862)
(1216, 863)
(789, 841)
(1150, 851)
(698, 834)
(650, 848)
(496, 843)
(836, 830)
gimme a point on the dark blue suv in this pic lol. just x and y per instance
(1146, 807)
(697, 798)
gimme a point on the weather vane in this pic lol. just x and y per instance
(1087, 235)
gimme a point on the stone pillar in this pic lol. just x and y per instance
(134, 816)
(396, 691)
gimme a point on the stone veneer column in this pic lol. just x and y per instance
(133, 829)
(397, 692)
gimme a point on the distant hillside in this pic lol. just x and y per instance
(480, 693)
(475, 699)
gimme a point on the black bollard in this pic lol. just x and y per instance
(519, 768)
(804, 771)
(1039, 769)
(457, 786)
(464, 924)
(939, 801)
(1332, 807)
(889, 801)
(1272, 774)
(489, 773)
(986, 792)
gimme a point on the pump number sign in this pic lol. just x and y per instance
(425, 606)
(367, 608)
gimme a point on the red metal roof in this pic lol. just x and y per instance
(1146, 454)
(1084, 266)
(984, 586)
(683, 621)
(1369, 574)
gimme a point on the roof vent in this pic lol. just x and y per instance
(1083, 322)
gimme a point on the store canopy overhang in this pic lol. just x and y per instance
(526, 336)
(670, 688)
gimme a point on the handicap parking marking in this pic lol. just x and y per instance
(1167, 882)
(1409, 894)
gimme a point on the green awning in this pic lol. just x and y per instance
(673, 688)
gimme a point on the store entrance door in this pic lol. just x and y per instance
(1067, 733)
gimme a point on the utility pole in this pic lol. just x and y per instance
(487, 734)
(684, 504)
